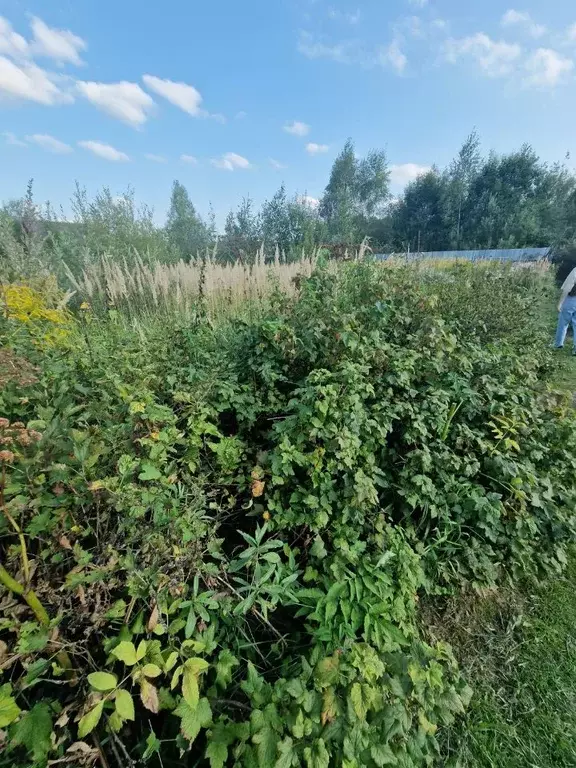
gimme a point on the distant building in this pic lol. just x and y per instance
(503, 254)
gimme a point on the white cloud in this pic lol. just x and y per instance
(11, 43)
(29, 82)
(316, 149)
(155, 158)
(59, 44)
(547, 68)
(230, 161)
(184, 96)
(50, 144)
(394, 56)
(495, 58)
(347, 17)
(406, 172)
(278, 166)
(240, 115)
(308, 202)
(571, 33)
(418, 3)
(104, 151)
(522, 19)
(124, 101)
(190, 159)
(13, 140)
(296, 128)
(346, 52)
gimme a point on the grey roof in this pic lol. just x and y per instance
(502, 254)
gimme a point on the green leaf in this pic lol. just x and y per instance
(192, 720)
(357, 700)
(217, 753)
(266, 742)
(151, 670)
(171, 661)
(190, 689)
(126, 652)
(141, 650)
(124, 704)
(196, 665)
(153, 745)
(383, 755)
(317, 756)
(102, 681)
(224, 666)
(318, 549)
(33, 731)
(115, 721)
(288, 757)
(90, 720)
(9, 710)
(327, 671)
(149, 472)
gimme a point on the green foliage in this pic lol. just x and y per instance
(231, 526)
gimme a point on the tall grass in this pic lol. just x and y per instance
(142, 289)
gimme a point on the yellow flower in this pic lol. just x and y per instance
(84, 305)
(266, 516)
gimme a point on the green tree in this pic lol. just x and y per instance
(418, 222)
(185, 230)
(356, 190)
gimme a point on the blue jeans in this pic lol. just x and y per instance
(567, 315)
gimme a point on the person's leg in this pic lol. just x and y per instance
(564, 319)
(573, 321)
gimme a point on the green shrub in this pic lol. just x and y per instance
(229, 528)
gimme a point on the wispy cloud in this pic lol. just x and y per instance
(296, 128)
(513, 18)
(345, 52)
(155, 158)
(355, 52)
(26, 81)
(105, 151)
(11, 43)
(316, 149)
(181, 95)
(125, 101)
(13, 140)
(495, 58)
(571, 33)
(50, 144)
(346, 17)
(59, 44)
(547, 68)
(231, 162)
(394, 56)
(278, 166)
(404, 173)
(190, 159)
(418, 3)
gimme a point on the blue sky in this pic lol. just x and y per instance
(232, 98)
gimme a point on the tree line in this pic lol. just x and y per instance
(477, 201)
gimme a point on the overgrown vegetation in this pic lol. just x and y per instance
(513, 200)
(216, 535)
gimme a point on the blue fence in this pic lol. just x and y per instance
(506, 254)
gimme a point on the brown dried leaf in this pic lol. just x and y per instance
(153, 620)
(258, 488)
(64, 541)
(149, 696)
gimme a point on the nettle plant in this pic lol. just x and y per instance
(228, 528)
